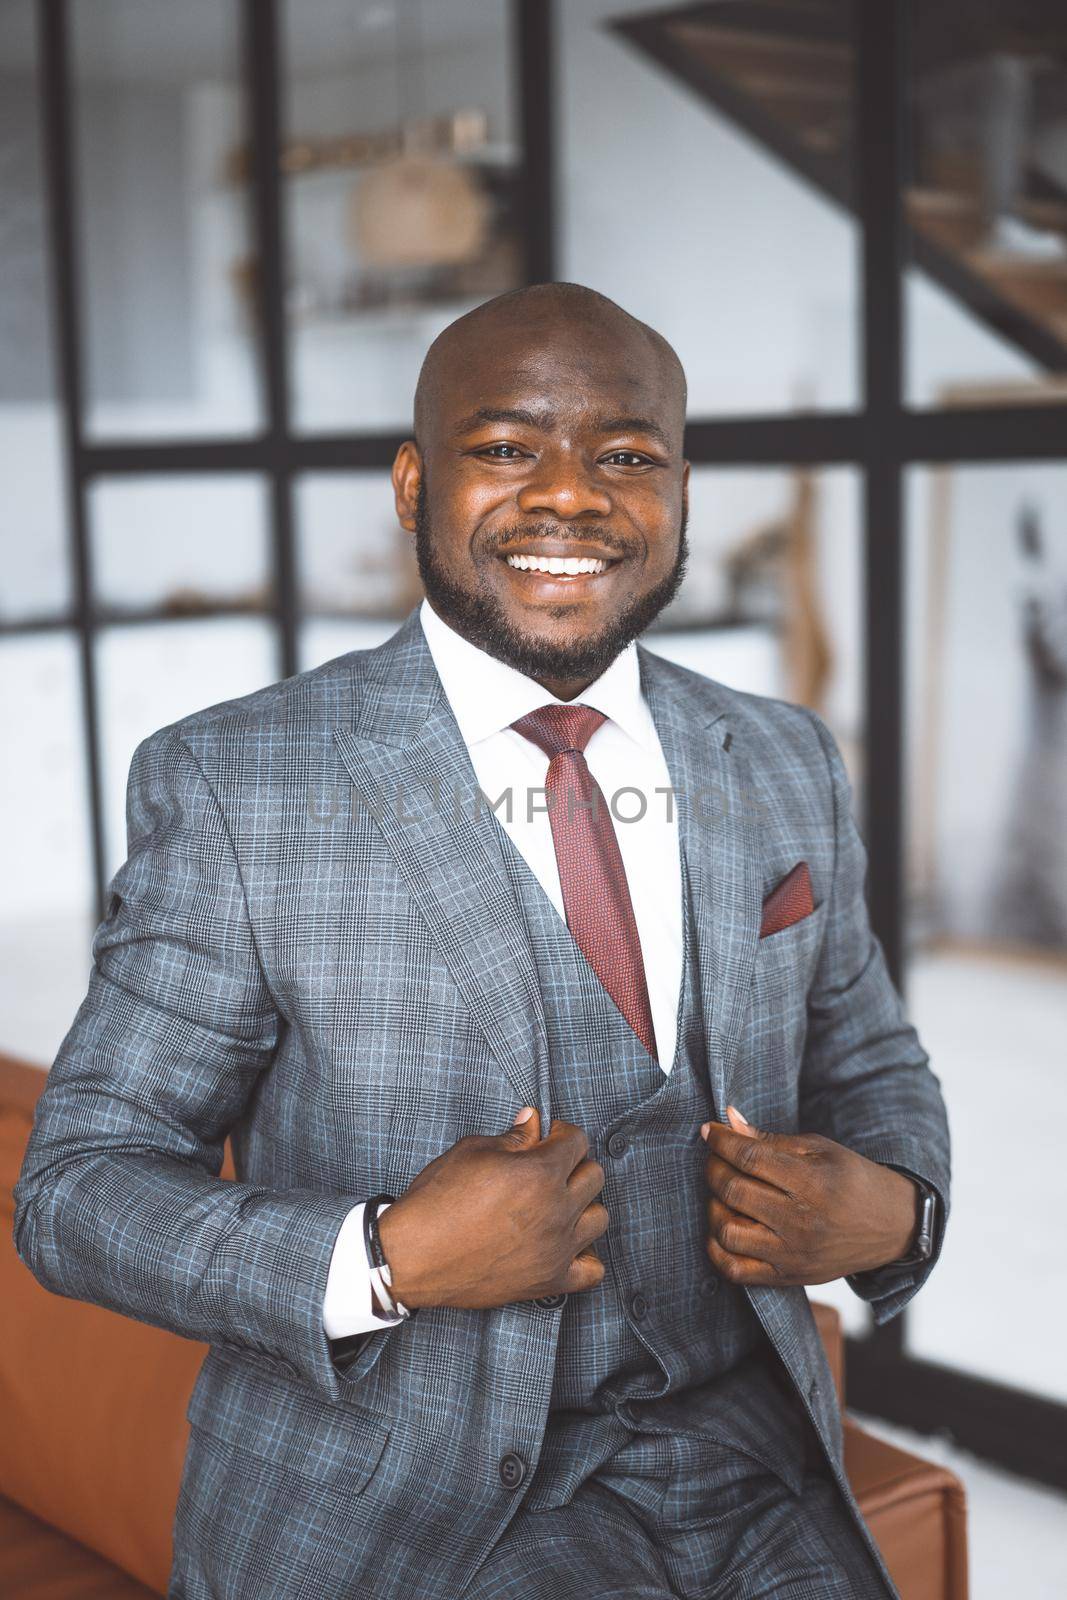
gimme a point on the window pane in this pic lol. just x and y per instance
(705, 182)
(987, 896)
(180, 543)
(321, 641)
(353, 558)
(987, 203)
(46, 909)
(151, 675)
(167, 264)
(35, 577)
(401, 195)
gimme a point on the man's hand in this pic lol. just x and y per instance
(497, 1218)
(791, 1208)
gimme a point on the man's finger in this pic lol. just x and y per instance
(750, 1196)
(742, 1235)
(739, 1269)
(766, 1156)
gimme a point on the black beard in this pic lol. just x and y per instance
(483, 621)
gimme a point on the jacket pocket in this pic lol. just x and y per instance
(286, 1424)
(789, 956)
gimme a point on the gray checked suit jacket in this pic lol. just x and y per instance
(310, 947)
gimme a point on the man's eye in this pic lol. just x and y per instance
(635, 458)
(491, 447)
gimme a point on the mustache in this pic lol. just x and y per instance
(573, 534)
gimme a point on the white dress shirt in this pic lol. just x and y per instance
(623, 754)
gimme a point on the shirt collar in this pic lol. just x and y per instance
(486, 695)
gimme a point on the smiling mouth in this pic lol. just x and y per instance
(564, 569)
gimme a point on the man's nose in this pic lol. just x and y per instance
(566, 489)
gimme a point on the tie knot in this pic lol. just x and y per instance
(559, 728)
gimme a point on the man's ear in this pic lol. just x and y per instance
(407, 475)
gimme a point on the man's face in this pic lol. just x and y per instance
(550, 441)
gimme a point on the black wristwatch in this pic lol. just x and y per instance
(922, 1247)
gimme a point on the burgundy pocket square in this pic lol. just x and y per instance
(788, 902)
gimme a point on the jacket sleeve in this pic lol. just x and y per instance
(119, 1199)
(865, 1079)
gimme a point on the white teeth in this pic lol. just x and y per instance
(568, 566)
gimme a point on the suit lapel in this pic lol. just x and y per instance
(407, 759)
(404, 753)
(718, 822)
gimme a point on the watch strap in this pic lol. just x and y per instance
(922, 1245)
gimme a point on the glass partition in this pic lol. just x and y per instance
(987, 898)
(35, 576)
(151, 674)
(986, 204)
(45, 844)
(174, 544)
(402, 184)
(354, 562)
(168, 269)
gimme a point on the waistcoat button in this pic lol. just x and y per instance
(639, 1306)
(709, 1287)
(550, 1300)
(618, 1144)
(512, 1470)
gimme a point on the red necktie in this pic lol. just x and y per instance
(596, 896)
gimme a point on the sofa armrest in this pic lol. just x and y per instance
(917, 1512)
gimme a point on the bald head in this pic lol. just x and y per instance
(548, 421)
(542, 312)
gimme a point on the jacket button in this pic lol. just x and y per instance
(639, 1306)
(709, 1287)
(550, 1300)
(618, 1144)
(512, 1470)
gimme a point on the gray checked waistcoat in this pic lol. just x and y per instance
(662, 1323)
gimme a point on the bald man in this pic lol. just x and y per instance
(531, 976)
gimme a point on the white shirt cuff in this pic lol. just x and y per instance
(348, 1305)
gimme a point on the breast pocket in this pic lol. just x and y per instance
(785, 961)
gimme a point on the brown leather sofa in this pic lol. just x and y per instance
(94, 1434)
